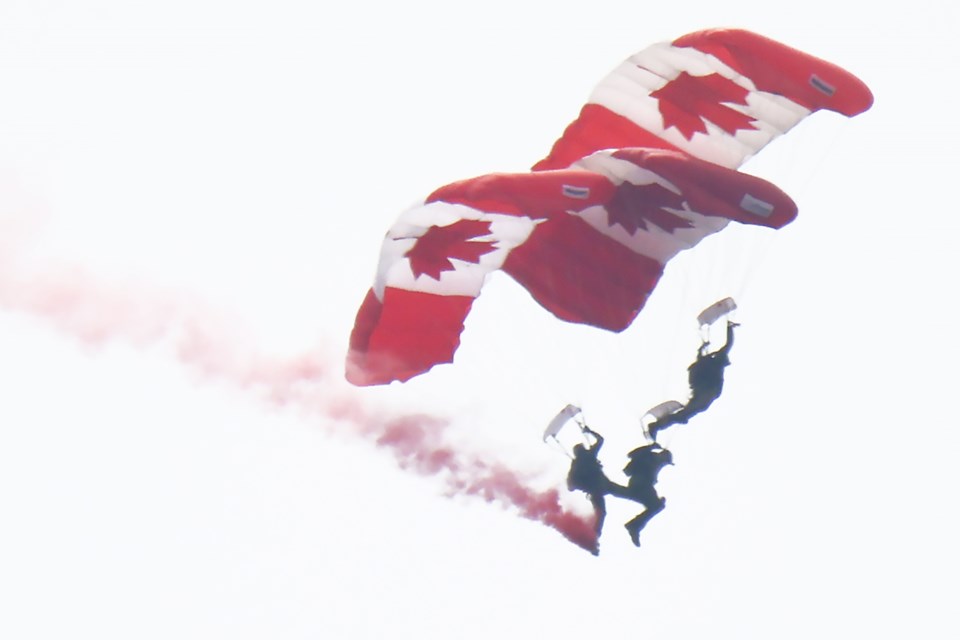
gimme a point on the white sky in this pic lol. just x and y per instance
(245, 158)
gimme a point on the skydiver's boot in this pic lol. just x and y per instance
(652, 429)
(635, 526)
(657, 426)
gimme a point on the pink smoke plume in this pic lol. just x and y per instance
(97, 313)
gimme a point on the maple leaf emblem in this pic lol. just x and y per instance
(633, 206)
(433, 250)
(686, 102)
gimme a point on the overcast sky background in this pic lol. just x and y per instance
(242, 160)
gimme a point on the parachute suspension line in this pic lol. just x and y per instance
(569, 414)
(671, 366)
(556, 444)
(710, 316)
(703, 275)
(797, 181)
(580, 421)
(705, 333)
(756, 247)
(820, 145)
(676, 315)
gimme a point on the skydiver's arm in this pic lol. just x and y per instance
(726, 347)
(598, 439)
(599, 443)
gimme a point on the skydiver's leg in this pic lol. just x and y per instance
(677, 417)
(599, 511)
(643, 493)
(600, 504)
(618, 490)
(711, 395)
(636, 525)
(699, 402)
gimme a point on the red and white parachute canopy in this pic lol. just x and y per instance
(646, 171)
(719, 95)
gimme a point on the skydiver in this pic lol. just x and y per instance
(586, 474)
(642, 470)
(706, 383)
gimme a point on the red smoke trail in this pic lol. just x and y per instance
(417, 444)
(97, 313)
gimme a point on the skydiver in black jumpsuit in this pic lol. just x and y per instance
(706, 383)
(642, 470)
(586, 474)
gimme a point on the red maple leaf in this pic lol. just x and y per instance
(433, 250)
(633, 206)
(686, 102)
